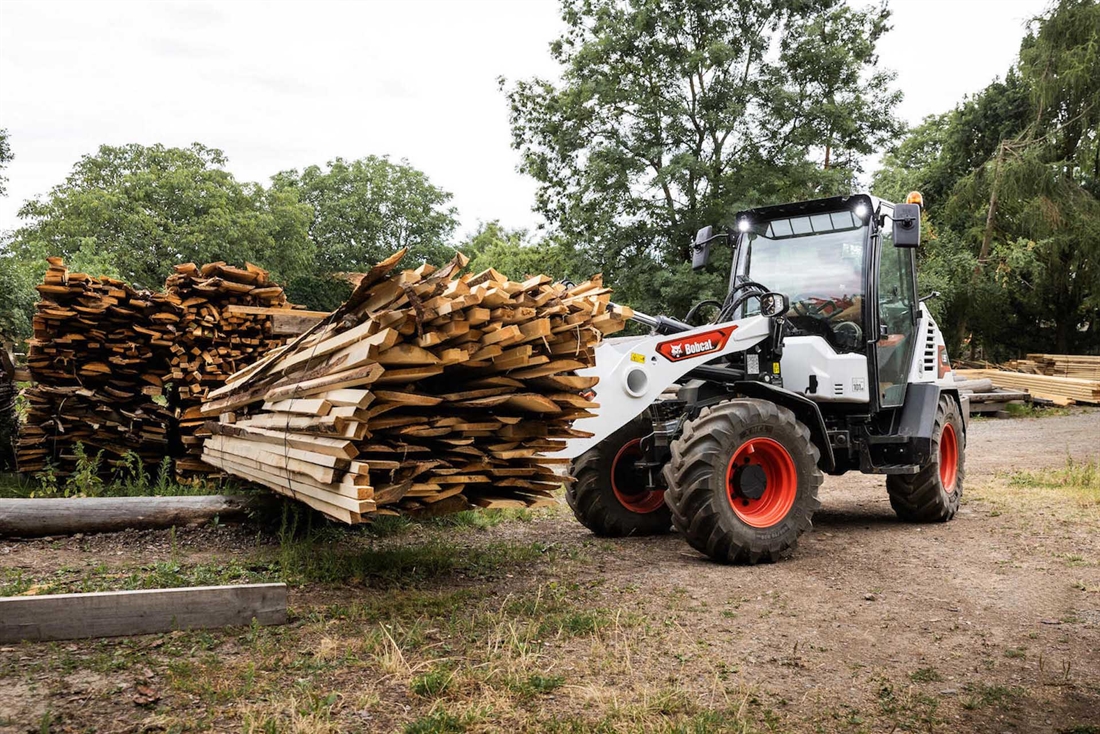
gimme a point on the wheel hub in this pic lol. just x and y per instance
(750, 481)
(628, 482)
(761, 482)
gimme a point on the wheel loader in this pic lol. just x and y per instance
(821, 359)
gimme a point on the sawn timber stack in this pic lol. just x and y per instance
(119, 370)
(97, 359)
(215, 339)
(427, 391)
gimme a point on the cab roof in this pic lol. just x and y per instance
(813, 206)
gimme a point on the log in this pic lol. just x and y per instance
(975, 386)
(33, 518)
(148, 611)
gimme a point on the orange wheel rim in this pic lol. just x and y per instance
(949, 457)
(780, 482)
(624, 482)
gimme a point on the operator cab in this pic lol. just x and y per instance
(831, 258)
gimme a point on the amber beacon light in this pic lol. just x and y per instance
(915, 198)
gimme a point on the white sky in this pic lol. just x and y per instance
(280, 85)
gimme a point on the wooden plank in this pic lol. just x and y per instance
(150, 611)
(234, 308)
(319, 444)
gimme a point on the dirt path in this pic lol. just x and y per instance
(990, 623)
(986, 602)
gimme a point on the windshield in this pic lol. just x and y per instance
(817, 262)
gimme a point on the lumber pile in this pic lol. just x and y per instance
(426, 392)
(224, 325)
(98, 361)
(1067, 365)
(122, 370)
(1058, 390)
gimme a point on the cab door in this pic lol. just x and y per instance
(897, 311)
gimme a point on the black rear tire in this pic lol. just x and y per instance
(608, 497)
(933, 494)
(708, 478)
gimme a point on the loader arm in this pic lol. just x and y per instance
(634, 371)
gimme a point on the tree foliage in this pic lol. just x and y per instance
(366, 209)
(1012, 177)
(135, 211)
(5, 159)
(673, 115)
(513, 254)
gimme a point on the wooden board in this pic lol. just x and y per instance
(126, 613)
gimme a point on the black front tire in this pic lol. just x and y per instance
(703, 497)
(593, 496)
(934, 493)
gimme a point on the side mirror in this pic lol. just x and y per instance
(906, 225)
(774, 304)
(700, 254)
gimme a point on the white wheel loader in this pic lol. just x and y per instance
(821, 359)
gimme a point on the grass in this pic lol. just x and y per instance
(1070, 492)
(925, 675)
(162, 574)
(1078, 480)
(983, 695)
(299, 563)
(440, 626)
(1032, 410)
(127, 477)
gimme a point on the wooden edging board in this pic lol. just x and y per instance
(122, 613)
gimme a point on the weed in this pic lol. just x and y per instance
(535, 684)
(438, 722)
(432, 683)
(982, 695)
(85, 481)
(925, 675)
(1016, 652)
(1031, 410)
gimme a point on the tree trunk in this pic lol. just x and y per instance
(30, 518)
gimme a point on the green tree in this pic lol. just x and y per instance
(673, 115)
(513, 254)
(5, 158)
(17, 297)
(135, 211)
(1014, 178)
(366, 209)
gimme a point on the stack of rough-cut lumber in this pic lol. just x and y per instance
(1080, 366)
(1059, 390)
(97, 359)
(102, 351)
(426, 391)
(224, 326)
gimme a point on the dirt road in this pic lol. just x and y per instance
(990, 623)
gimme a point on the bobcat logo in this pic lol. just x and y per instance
(675, 350)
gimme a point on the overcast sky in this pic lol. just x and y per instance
(280, 85)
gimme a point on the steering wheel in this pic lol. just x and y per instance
(850, 332)
(800, 307)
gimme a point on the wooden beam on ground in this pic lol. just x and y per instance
(35, 518)
(124, 613)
